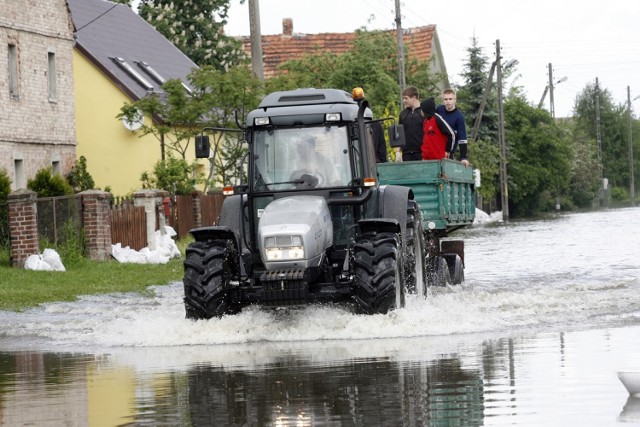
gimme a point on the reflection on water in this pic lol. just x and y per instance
(541, 379)
(548, 315)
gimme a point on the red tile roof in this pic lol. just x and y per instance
(279, 48)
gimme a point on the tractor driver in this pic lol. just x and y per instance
(313, 168)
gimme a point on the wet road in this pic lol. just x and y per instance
(549, 312)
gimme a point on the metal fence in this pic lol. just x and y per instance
(59, 219)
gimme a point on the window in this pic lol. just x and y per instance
(55, 166)
(13, 71)
(303, 158)
(53, 87)
(19, 181)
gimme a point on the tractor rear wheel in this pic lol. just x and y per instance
(379, 278)
(414, 266)
(207, 273)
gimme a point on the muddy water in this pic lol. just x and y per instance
(549, 312)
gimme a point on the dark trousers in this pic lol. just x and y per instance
(411, 155)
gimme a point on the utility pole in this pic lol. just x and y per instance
(401, 77)
(632, 187)
(504, 188)
(256, 39)
(552, 108)
(599, 144)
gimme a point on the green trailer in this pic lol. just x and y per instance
(445, 193)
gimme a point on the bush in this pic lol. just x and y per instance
(5, 185)
(48, 184)
(70, 246)
(79, 178)
(173, 175)
(5, 189)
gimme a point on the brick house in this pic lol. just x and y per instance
(37, 124)
(421, 43)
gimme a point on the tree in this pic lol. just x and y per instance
(475, 74)
(584, 181)
(538, 160)
(79, 177)
(370, 64)
(179, 116)
(222, 95)
(176, 116)
(613, 132)
(196, 27)
(176, 176)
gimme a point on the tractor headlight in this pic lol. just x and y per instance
(283, 248)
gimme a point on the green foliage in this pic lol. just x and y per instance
(370, 64)
(484, 155)
(5, 185)
(5, 190)
(176, 176)
(613, 156)
(215, 99)
(585, 177)
(178, 114)
(70, 245)
(539, 161)
(470, 95)
(196, 27)
(79, 177)
(48, 184)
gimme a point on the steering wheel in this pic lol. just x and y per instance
(309, 178)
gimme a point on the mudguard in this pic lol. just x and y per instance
(230, 228)
(392, 203)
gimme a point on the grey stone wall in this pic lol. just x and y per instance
(34, 127)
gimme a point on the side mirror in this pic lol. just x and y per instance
(396, 136)
(203, 148)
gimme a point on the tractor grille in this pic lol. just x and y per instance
(284, 287)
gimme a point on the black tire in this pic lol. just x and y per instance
(438, 271)
(456, 269)
(414, 265)
(379, 280)
(207, 272)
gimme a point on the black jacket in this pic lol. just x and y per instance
(412, 122)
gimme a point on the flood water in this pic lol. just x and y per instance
(549, 312)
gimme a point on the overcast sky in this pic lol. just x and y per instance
(582, 39)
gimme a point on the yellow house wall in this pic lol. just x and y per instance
(116, 157)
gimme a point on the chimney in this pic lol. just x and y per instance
(287, 26)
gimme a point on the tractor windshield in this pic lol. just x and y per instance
(301, 158)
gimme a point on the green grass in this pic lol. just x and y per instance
(21, 289)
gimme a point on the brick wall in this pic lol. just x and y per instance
(96, 223)
(23, 226)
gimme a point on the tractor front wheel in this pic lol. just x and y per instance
(207, 273)
(379, 279)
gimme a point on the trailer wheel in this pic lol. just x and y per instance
(379, 279)
(438, 271)
(414, 266)
(456, 269)
(207, 272)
